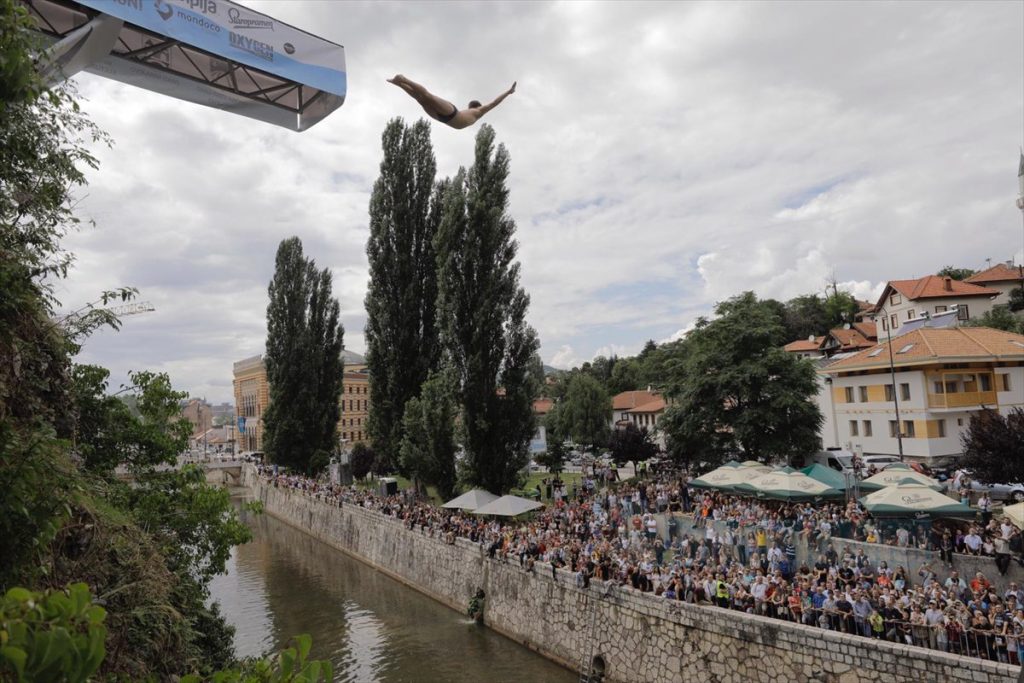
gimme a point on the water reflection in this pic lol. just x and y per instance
(372, 628)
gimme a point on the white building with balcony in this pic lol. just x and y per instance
(937, 379)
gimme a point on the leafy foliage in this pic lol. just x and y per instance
(956, 273)
(58, 635)
(554, 457)
(428, 441)
(999, 318)
(303, 359)
(1016, 302)
(482, 315)
(363, 459)
(632, 443)
(737, 390)
(991, 443)
(51, 636)
(402, 345)
(62, 519)
(585, 412)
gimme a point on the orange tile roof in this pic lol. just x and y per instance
(804, 345)
(997, 273)
(655, 406)
(931, 345)
(542, 406)
(858, 336)
(933, 286)
(628, 400)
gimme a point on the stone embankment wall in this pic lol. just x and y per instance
(638, 637)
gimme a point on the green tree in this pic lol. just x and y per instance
(44, 149)
(59, 525)
(737, 390)
(554, 457)
(806, 316)
(1016, 302)
(586, 411)
(362, 459)
(956, 273)
(840, 308)
(625, 376)
(632, 443)
(999, 318)
(428, 441)
(303, 359)
(402, 345)
(482, 312)
(988, 439)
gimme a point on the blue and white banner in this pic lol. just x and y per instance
(241, 425)
(240, 34)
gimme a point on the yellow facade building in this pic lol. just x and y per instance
(252, 396)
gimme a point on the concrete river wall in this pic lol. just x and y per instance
(638, 637)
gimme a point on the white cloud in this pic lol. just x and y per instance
(564, 358)
(732, 147)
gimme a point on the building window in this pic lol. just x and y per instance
(941, 309)
(986, 382)
(863, 394)
(910, 314)
(894, 429)
(1004, 382)
(938, 386)
(894, 321)
(895, 299)
(959, 422)
(908, 429)
(961, 312)
(853, 428)
(904, 392)
(848, 394)
(867, 427)
(885, 324)
(942, 429)
(890, 395)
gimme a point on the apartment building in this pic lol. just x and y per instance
(938, 379)
(252, 396)
(904, 300)
(355, 401)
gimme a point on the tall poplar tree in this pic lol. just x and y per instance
(401, 333)
(482, 316)
(303, 359)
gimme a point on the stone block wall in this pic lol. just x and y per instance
(638, 637)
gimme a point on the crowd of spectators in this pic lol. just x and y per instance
(746, 561)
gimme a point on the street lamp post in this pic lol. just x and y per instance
(895, 395)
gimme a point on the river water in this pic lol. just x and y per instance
(372, 628)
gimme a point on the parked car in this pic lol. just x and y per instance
(879, 461)
(1009, 492)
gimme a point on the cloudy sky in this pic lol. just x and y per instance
(664, 157)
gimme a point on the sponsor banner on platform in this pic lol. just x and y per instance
(240, 34)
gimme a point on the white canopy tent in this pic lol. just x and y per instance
(471, 500)
(508, 506)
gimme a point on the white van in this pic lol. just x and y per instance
(840, 461)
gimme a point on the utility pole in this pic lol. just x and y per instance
(1020, 205)
(895, 395)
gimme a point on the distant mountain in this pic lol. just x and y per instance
(549, 370)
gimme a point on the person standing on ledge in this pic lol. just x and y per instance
(443, 110)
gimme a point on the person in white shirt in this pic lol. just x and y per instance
(973, 541)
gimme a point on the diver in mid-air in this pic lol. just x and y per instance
(443, 110)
